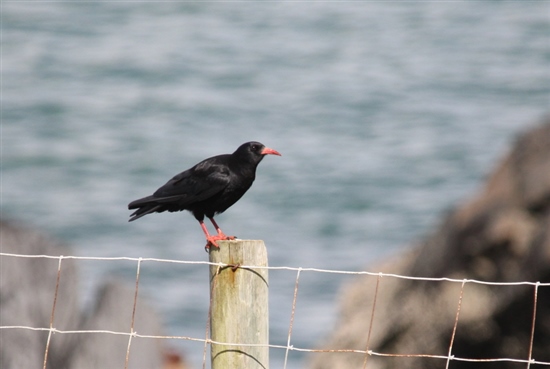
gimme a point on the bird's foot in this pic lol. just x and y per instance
(209, 245)
(211, 241)
(220, 237)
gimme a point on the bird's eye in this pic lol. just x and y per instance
(254, 147)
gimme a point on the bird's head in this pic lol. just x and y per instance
(254, 151)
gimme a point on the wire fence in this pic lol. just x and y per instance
(367, 352)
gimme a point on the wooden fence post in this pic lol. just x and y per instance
(239, 305)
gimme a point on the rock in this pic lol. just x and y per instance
(113, 312)
(27, 290)
(501, 235)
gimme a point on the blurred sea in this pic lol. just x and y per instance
(386, 113)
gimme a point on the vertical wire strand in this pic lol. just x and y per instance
(292, 316)
(132, 332)
(456, 324)
(371, 320)
(535, 300)
(53, 312)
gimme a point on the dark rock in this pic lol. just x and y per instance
(113, 312)
(501, 235)
(27, 290)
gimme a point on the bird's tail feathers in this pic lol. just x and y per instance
(144, 201)
(143, 211)
(150, 204)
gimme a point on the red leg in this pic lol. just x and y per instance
(221, 235)
(211, 240)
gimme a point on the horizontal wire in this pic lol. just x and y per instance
(318, 270)
(284, 347)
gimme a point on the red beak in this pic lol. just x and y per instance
(268, 151)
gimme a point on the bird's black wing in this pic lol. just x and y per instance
(204, 180)
(199, 183)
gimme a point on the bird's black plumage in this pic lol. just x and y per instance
(208, 188)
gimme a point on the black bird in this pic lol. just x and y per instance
(208, 188)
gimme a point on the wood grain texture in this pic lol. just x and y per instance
(239, 305)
